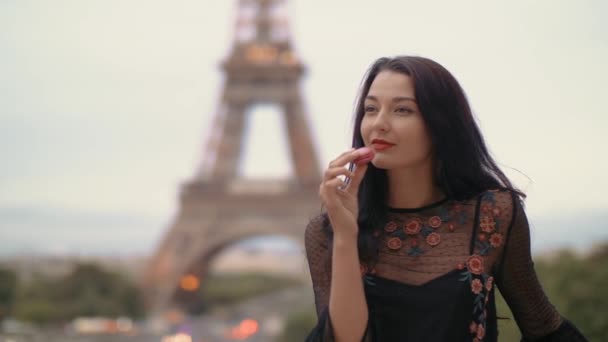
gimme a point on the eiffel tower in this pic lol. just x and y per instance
(217, 207)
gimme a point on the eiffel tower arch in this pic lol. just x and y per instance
(216, 207)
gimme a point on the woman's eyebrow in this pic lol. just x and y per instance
(395, 99)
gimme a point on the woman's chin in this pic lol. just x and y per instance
(380, 164)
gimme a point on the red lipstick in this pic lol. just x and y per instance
(381, 145)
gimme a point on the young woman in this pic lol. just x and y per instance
(412, 246)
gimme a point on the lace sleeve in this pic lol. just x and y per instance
(319, 262)
(318, 254)
(516, 279)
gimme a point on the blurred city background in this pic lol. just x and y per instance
(136, 205)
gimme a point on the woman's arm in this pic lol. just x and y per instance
(347, 304)
(516, 278)
(320, 260)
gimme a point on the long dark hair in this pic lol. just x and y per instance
(464, 166)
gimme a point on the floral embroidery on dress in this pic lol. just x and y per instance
(435, 222)
(433, 239)
(487, 224)
(476, 286)
(481, 287)
(475, 264)
(458, 211)
(481, 283)
(410, 233)
(412, 227)
(394, 243)
(496, 240)
(490, 223)
(390, 227)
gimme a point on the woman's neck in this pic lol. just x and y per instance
(412, 187)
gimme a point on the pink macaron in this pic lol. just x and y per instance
(366, 155)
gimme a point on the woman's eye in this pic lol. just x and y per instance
(404, 110)
(369, 109)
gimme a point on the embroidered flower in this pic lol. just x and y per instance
(496, 240)
(394, 243)
(496, 212)
(489, 283)
(451, 227)
(481, 237)
(475, 264)
(435, 222)
(390, 227)
(486, 208)
(476, 286)
(457, 207)
(487, 224)
(412, 227)
(473, 327)
(460, 266)
(481, 332)
(433, 239)
(414, 242)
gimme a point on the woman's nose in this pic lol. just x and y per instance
(381, 122)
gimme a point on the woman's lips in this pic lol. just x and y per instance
(381, 146)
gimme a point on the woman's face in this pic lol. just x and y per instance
(392, 124)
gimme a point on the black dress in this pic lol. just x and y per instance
(435, 276)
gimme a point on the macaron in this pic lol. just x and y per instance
(366, 155)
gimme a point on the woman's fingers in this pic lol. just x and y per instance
(356, 179)
(334, 172)
(329, 189)
(333, 185)
(344, 158)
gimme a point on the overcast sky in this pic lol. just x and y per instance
(105, 105)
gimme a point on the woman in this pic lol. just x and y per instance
(411, 248)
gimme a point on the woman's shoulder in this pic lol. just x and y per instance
(502, 202)
(502, 197)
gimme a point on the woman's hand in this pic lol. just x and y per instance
(339, 197)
